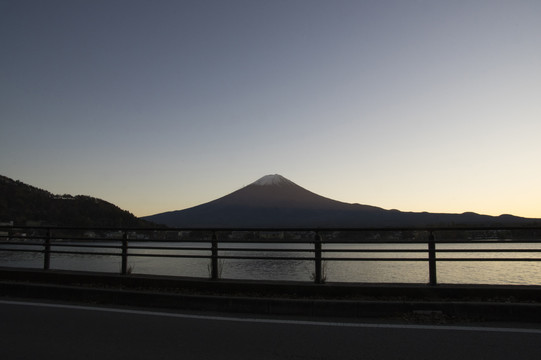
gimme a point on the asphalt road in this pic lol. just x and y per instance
(53, 331)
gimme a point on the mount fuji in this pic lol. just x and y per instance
(274, 201)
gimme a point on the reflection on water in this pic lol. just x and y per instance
(267, 269)
(525, 273)
(293, 267)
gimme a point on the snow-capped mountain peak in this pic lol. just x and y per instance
(274, 179)
(274, 201)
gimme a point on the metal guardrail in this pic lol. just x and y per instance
(323, 244)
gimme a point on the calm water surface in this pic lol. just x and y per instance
(459, 272)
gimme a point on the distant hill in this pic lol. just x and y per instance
(274, 201)
(24, 204)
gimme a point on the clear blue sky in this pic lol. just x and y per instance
(162, 105)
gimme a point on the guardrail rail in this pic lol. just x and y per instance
(316, 245)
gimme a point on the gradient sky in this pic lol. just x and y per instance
(162, 105)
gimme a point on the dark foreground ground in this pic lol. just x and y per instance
(38, 330)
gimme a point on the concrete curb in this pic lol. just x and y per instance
(278, 306)
(277, 298)
(519, 293)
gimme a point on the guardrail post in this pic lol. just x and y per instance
(317, 258)
(47, 251)
(124, 267)
(214, 257)
(432, 260)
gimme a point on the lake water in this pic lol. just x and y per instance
(451, 272)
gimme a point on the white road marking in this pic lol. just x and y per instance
(273, 321)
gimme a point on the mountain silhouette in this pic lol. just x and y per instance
(22, 204)
(274, 201)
